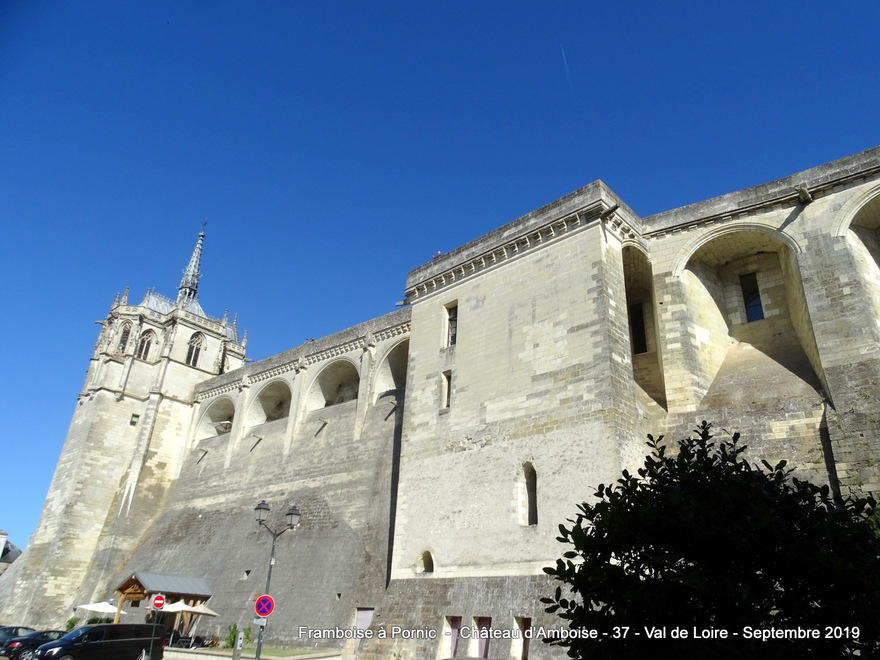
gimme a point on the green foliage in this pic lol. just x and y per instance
(247, 635)
(703, 539)
(231, 636)
(99, 619)
(70, 624)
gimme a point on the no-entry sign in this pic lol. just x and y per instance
(264, 605)
(158, 601)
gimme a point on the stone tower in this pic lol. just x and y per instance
(124, 445)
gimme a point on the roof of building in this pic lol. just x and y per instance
(168, 583)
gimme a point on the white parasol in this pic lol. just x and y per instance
(101, 608)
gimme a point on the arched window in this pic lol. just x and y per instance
(194, 347)
(123, 338)
(145, 343)
(425, 563)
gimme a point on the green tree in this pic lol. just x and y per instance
(704, 541)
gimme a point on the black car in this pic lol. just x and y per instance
(8, 632)
(22, 648)
(106, 641)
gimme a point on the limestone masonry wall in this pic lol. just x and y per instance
(434, 451)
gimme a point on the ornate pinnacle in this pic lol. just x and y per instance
(189, 284)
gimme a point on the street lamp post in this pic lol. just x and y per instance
(292, 517)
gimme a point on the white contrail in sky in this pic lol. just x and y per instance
(567, 72)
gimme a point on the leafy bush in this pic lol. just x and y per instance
(703, 540)
(231, 636)
(99, 619)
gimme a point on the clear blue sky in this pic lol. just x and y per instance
(333, 146)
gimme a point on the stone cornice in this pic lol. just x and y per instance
(612, 217)
(780, 194)
(395, 331)
(273, 372)
(217, 391)
(334, 351)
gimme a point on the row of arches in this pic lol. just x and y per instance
(337, 383)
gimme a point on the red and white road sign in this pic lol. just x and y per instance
(158, 601)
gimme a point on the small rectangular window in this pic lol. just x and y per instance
(362, 619)
(519, 646)
(446, 387)
(638, 336)
(481, 648)
(448, 646)
(451, 324)
(751, 297)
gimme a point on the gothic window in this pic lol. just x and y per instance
(123, 338)
(751, 297)
(145, 343)
(194, 347)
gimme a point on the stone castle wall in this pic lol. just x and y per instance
(434, 451)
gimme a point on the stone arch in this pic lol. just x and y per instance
(720, 268)
(862, 234)
(217, 419)
(647, 367)
(271, 403)
(772, 235)
(336, 383)
(856, 205)
(390, 375)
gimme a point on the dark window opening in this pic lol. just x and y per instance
(144, 345)
(194, 348)
(447, 389)
(638, 335)
(451, 325)
(123, 339)
(531, 478)
(454, 631)
(483, 624)
(523, 625)
(751, 297)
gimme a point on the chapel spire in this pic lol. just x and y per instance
(188, 291)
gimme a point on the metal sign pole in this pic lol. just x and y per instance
(268, 582)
